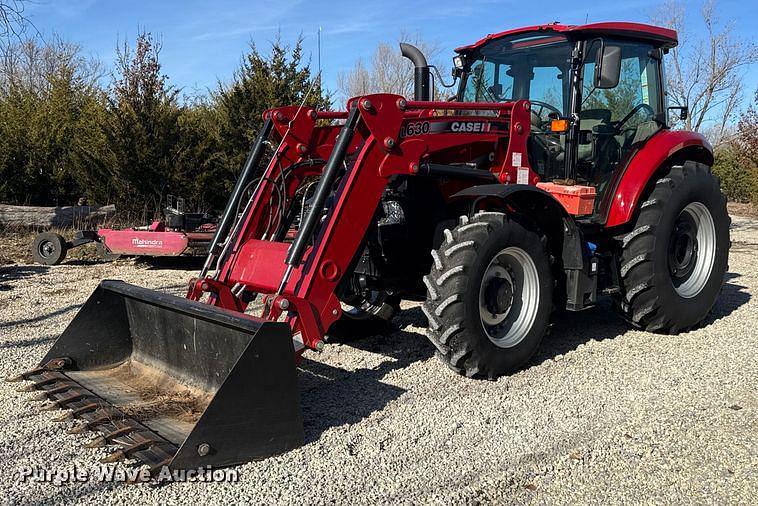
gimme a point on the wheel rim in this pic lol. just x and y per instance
(509, 297)
(692, 250)
(372, 305)
(46, 249)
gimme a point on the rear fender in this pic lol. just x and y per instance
(564, 236)
(658, 152)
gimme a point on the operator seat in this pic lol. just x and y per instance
(593, 120)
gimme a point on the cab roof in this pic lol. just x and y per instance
(640, 31)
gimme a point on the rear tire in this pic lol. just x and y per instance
(674, 260)
(489, 295)
(49, 248)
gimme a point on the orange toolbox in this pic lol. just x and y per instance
(577, 200)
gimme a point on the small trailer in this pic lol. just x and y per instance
(176, 233)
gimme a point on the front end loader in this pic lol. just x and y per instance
(550, 180)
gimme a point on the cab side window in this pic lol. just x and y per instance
(612, 121)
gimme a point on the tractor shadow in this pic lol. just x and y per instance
(731, 298)
(11, 273)
(602, 322)
(40, 318)
(186, 263)
(331, 396)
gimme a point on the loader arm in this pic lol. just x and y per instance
(196, 381)
(383, 136)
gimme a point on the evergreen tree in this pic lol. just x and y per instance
(142, 129)
(48, 97)
(262, 82)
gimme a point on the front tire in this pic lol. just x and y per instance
(674, 260)
(489, 295)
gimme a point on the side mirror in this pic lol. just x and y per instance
(607, 67)
(684, 111)
(458, 65)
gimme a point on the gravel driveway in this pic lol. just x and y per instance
(604, 413)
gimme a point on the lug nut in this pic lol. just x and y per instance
(203, 449)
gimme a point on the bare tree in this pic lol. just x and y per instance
(705, 72)
(388, 71)
(34, 65)
(13, 21)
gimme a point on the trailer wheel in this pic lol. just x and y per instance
(674, 260)
(489, 295)
(49, 248)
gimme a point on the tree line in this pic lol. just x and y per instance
(69, 130)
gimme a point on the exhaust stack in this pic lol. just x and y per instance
(421, 90)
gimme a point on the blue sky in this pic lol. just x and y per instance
(204, 40)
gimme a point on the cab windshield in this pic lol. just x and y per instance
(534, 67)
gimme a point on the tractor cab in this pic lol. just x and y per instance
(596, 94)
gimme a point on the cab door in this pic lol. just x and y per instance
(614, 122)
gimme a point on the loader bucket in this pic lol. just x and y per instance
(173, 381)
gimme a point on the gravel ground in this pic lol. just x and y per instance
(604, 413)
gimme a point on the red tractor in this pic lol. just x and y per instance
(551, 179)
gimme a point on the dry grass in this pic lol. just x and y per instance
(747, 210)
(17, 245)
(16, 242)
(159, 395)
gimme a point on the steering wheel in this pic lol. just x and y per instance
(542, 106)
(634, 111)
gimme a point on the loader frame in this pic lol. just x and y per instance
(386, 136)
